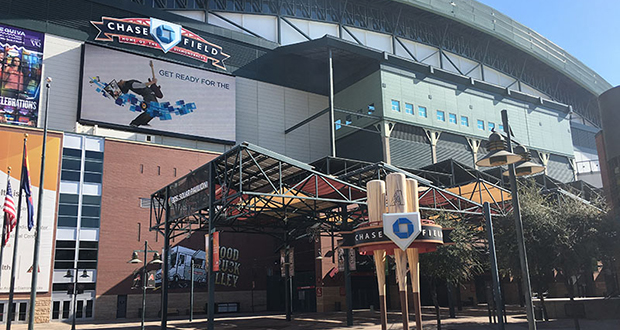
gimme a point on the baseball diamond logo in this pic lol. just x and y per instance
(402, 227)
(158, 34)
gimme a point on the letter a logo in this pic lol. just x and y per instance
(165, 33)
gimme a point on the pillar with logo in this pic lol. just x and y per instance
(395, 228)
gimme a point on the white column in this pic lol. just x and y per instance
(433, 137)
(474, 144)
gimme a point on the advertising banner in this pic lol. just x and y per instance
(162, 35)
(11, 155)
(21, 58)
(216, 251)
(189, 194)
(122, 89)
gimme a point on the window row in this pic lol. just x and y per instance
(370, 110)
(72, 165)
(63, 311)
(64, 256)
(441, 116)
(69, 286)
(20, 307)
(77, 154)
(69, 206)
(409, 109)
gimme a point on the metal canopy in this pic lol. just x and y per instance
(434, 195)
(431, 197)
(304, 65)
(257, 190)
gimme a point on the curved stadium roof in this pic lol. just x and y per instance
(466, 28)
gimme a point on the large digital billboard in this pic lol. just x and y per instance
(126, 90)
(21, 56)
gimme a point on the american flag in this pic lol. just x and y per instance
(10, 216)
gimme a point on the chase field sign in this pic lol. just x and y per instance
(402, 228)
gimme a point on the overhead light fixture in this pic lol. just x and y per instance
(134, 258)
(498, 155)
(527, 166)
(156, 259)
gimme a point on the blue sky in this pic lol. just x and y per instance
(588, 30)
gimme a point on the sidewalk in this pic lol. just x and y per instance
(468, 319)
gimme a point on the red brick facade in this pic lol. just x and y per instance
(133, 171)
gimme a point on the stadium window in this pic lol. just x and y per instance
(465, 121)
(338, 124)
(371, 108)
(395, 106)
(348, 120)
(452, 118)
(422, 112)
(501, 127)
(409, 108)
(491, 126)
(481, 124)
(441, 116)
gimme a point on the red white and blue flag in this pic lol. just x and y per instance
(25, 187)
(10, 216)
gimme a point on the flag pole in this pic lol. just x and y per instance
(8, 177)
(14, 264)
(37, 231)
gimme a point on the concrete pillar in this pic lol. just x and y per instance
(433, 137)
(474, 144)
(386, 128)
(544, 158)
(573, 166)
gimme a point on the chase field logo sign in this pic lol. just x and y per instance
(402, 228)
(159, 34)
(165, 33)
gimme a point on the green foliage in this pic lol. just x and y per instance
(541, 232)
(562, 234)
(456, 263)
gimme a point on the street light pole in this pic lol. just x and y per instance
(75, 292)
(136, 260)
(525, 273)
(499, 305)
(191, 293)
(146, 249)
(75, 283)
(37, 239)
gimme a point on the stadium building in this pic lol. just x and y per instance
(145, 92)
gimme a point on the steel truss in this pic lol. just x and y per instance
(254, 190)
(257, 190)
(404, 21)
(432, 198)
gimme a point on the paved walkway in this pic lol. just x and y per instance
(468, 319)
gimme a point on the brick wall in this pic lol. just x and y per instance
(42, 309)
(106, 304)
(132, 171)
